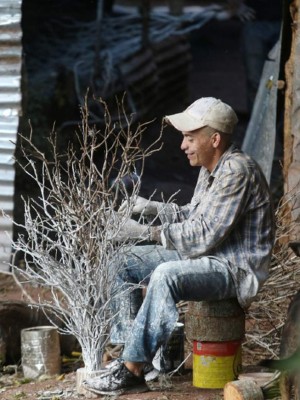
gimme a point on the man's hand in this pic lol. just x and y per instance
(132, 230)
(140, 205)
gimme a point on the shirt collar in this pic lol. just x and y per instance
(223, 157)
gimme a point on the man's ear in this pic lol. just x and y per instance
(216, 139)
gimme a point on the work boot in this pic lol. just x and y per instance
(150, 372)
(116, 381)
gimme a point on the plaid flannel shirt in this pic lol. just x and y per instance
(230, 216)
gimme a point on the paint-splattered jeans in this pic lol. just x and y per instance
(145, 325)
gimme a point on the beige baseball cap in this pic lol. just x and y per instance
(203, 112)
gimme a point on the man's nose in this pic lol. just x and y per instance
(183, 145)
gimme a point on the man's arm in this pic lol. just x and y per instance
(212, 220)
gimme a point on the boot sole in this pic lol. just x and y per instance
(135, 389)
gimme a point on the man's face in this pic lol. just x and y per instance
(199, 147)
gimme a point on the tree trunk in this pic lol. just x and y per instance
(217, 321)
(243, 390)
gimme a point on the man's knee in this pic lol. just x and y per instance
(164, 272)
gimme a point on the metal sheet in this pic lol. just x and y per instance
(259, 141)
(10, 103)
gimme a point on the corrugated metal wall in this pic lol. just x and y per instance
(157, 75)
(10, 104)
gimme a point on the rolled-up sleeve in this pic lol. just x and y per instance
(170, 213)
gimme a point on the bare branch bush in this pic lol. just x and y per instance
(267, 314)
(69, 230)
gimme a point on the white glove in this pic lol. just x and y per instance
(132, 230)
(140, 206)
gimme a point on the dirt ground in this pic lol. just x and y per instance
(217, 71)
(14, 386)
(53, 389)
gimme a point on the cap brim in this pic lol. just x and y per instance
(184, 122)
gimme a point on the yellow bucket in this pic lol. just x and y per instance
(216, 363)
